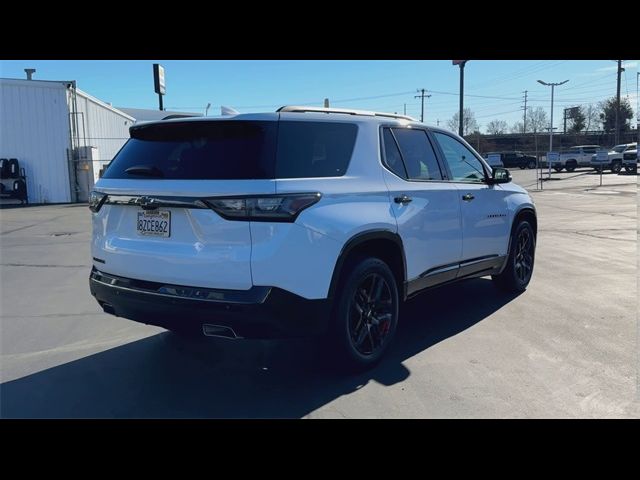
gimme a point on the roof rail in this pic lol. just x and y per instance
(298, 109)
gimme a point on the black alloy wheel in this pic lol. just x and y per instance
(365, 315)
(524, 256)
(518, 270)
(370, 314)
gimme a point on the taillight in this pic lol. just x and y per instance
(96, 199)
(265, 208)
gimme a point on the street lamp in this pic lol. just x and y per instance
(461, 64)
(552, 85)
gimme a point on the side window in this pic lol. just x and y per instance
(392, 157)
(418, 154)
(462, 162)
(589, 150)
(314, 149)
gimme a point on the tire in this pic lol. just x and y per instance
(14, 168)
(616, 167)
(571, 165)
(598, 169)
(531, 164)
(362, 327)
(4, 168)
(518, 271)
(20, 189)
(630, 169)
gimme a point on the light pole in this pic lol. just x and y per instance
(552, 85)
(461, 64)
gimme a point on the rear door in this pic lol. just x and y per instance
(154, 224)
(426, 207)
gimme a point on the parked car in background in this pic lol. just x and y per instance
(513, 159)
(630, 160)
(615, 158)
(579, 156)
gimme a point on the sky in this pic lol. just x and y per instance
(494, 89)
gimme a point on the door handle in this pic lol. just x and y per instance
(403, 199)
(468, 197)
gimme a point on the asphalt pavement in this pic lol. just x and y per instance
(566, 348)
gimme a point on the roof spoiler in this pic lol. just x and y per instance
(178, 115)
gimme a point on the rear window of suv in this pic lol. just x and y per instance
(235, 150)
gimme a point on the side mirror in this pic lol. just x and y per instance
(499, 175)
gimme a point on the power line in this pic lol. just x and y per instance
(526, 71)
(498, 113)
(477, 96)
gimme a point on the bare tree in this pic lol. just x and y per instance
(518, 127)
(537, 120)
(469, 123)
(592, 117)
(497, 127)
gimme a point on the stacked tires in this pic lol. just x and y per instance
(10, 170)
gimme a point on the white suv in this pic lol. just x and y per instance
(300, 222)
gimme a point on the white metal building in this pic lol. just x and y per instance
(60, 135)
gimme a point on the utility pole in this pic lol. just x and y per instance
(564, 115)
(422, 96)
(637, 107)
(620, 70)
(405, 108)
(524, 120)
(438, 122)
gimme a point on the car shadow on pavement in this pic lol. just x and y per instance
(164, 376)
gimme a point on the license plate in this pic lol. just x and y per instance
(154, 223)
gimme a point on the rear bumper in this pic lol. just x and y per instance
(260, 312)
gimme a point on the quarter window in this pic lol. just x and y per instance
(464, 165)
(392, 156)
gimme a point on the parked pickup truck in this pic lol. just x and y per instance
(630, 160)
(575, 157)
(615, 158)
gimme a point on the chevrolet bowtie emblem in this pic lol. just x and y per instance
(147, 203)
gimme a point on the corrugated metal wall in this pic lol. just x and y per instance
(34, 128)
(106, 128)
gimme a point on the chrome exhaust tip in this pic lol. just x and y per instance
(219, 331)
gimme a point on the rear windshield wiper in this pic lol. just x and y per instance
(147, 170)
